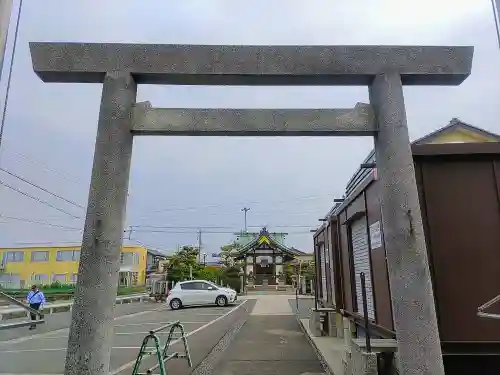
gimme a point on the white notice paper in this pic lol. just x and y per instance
(375, 235)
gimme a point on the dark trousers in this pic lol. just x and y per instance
(34, 306)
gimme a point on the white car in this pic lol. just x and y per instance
(199, 292)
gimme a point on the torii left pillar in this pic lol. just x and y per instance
(89, 343)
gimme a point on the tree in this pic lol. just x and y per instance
(228, 253)
(209, 273)
(231, 277)
(183, 263)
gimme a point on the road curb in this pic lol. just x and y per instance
(320, 356)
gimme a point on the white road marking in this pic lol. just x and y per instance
(209, 314)
(40, 335)
(153, 323)
(125, 366)
(131, 363)
(33, 350)
(145, 333)
(61, 349)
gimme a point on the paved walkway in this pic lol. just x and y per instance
(43, 352)
(270, 342)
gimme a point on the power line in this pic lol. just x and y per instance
(39, 222)
(41, 188)
(215, 227)
(245, 210)
(236, 231)
(196, 208)
(152, 247)
(39, 200)
(40, 165)
(166, 229)
(318, 211)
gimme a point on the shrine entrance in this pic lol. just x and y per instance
(264, 259)
(384, 69)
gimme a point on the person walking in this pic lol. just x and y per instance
(36, 300)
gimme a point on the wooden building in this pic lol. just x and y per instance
(458, 178)
(264, 257)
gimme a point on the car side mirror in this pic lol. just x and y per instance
(210, 288)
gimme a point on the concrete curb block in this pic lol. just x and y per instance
(322, 359)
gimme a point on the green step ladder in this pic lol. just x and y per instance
(162, 355)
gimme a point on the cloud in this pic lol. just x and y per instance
(55, 124)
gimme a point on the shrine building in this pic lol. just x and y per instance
(264, 255)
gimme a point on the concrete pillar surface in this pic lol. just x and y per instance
(5, 14)
(409, 276)
(91, 330)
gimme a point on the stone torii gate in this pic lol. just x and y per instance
(384, 69)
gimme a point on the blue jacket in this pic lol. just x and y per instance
(36, 297)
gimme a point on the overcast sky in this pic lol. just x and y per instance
(204, 182)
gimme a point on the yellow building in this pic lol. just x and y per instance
(22, 267)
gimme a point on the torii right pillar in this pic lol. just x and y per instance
(413, 307)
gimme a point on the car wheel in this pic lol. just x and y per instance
(175, 304)
(221, 301)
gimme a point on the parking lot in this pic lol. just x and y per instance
(44, 352)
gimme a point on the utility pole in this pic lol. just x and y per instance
(129, 230)
(245, 210)
(199, 246)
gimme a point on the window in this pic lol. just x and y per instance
(61, 277)
(39, 256)
(188, 286)
(135, 278)
(123, 279)
(15, 256)
(10, 280)
(205, 286)
(68, 256)
(129, 259)
(40, 278)
(197, 286)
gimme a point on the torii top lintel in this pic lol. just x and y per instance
(251, 65)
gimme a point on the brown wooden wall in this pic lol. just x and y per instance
(460, 203)
(328, 265)
(461, 198)
(336, 264)
(383, 308)
(345, 256)
(319, 240)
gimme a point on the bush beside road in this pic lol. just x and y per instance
(62, 290)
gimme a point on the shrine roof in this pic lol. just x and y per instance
(265, 238)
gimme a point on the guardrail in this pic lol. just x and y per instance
(364, 321)
(51, 308)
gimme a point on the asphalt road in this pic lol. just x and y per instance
(43, 351)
